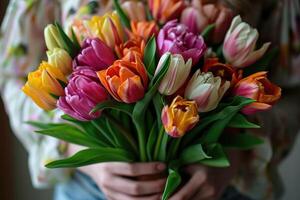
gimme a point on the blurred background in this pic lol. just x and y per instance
(15, 182)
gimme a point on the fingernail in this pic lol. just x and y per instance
(161, 167)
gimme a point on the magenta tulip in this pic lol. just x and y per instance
(94, 54)
(176, 38)
(82, 94)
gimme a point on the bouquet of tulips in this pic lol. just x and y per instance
(153, 82)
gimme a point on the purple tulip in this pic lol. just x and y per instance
(176, 38)
(94, 54)
(82, 94)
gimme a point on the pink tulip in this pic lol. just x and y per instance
(94, 54)
(198, 16)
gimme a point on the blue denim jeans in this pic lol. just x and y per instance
(82, 187)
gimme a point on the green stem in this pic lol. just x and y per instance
(104, 133)
(158, 144)
(174, 148)
(142, 142)
(122, 130)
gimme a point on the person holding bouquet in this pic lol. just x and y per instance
(22, 32)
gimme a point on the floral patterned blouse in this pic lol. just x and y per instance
(22, 47)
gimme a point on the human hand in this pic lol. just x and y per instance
(125, 181)
(207, 183)
(129, 181)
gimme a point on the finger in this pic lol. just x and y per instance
(136, 188)
(191, 188)
(206, 192)
(112, 195)
(135, 169)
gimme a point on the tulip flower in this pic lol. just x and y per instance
(225, 71)
(52, 37)
(134, 10)
(61, 59)
(144, 29)
(257, 87)
(176, 75)
(180, 117)
(126, 80)
(81, 30)
(177, 39)
(198, 16)
(240, 42)
(108, 28)
(165, 10)
(44, 86)
(206, 90)
(135, 44)
(94, 54)
(82, 94)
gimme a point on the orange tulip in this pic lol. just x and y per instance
(144, 29)
(165, 10)
(180, 117)
(126, 80)
(257, 87)
(136, 45)
(225, 71)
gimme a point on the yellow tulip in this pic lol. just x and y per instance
(60, 59)
(108, 28)
(180, 117)
(44, 86)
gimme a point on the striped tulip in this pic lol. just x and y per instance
(176, 75)
(126, 80)
(44, 86)
(240, 42)
(206, 90)
(180, 117)
(108, 28)
(61, 59)
(165, 10)
(257, 87)
(134, 10)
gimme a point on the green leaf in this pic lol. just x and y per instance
(207, 31)
(40, 125)
(89, 129)
(240, 121)
(69, 46)
(173, 181)
(218, 156)
(74, 39)
(224, 117)
(70, 134)
(192, 154)
(111, 104)
(121, 13)
(93, 156)
(243, 141)
(149, 56)
(219, 118)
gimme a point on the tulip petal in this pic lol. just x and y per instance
(131, 90)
